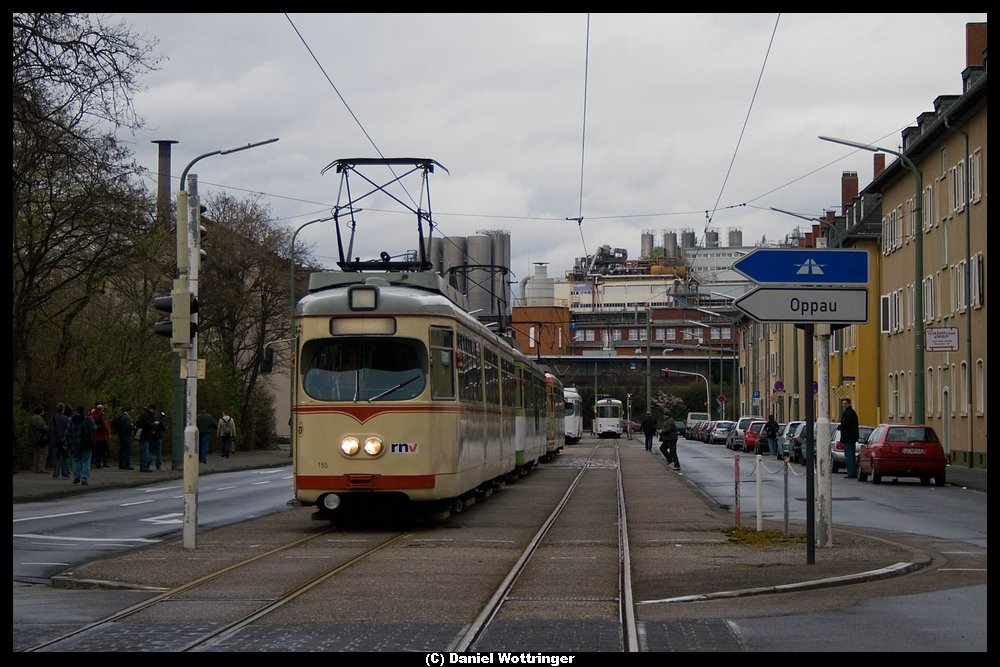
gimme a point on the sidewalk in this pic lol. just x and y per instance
(29, 486)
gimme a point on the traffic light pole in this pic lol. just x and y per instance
(190, 363)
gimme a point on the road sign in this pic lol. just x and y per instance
(720, 399)
(805, 304)
(779, 386)
(804, 266)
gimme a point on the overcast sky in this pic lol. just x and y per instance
(661, 117)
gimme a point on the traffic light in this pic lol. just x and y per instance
(180, 303)
(666, 372)
(267, 363)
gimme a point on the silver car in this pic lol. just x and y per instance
(837, 460)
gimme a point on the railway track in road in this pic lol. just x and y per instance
(541, 566)
(533, 582)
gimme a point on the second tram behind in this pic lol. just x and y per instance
(573, 414)
(608, 418)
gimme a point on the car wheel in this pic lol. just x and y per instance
(862, 475)
(925, 480)
(939, 479)
(834, 467)
(876, 477)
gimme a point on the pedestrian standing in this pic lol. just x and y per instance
(206, 424)
(84, 427)
(156, 437)
(144, 434)
(101, 436)
(124, 427)
(39, 430)
(771, 432)
(649, 430)
(668, 442)
(226, 432)
(849, 434)
(57, 442)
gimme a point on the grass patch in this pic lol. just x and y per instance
(762, 538)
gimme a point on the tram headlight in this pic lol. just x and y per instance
(373, 446)
(350, 445)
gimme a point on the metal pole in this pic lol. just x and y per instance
(649, 382)
(824, 483)
(191, 376)
(809, 440)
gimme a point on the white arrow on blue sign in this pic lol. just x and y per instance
(804, 266)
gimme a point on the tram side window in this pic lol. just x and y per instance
(355, 369)
(442, 363)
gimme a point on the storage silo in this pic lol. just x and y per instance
(501, 278)
(735, 237)
(539, 289)
(480, 280)
(688, 239)
(670, 244)
(646, 245)
(711, 239)
(454, 250)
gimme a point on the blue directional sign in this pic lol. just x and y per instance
(804, 266)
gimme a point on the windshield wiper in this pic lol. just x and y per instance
(392, 389)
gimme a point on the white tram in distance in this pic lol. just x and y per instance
(573, 414)
(608, 418)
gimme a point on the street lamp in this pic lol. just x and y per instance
(918, 292)
(291, 325)
(188, 266)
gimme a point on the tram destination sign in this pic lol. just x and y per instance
(804, 266)
(805, 305)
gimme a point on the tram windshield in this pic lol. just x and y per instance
(364, 369)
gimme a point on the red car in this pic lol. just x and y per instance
(902, 450)
(752, 436)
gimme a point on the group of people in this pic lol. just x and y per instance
(73, 441)
(668, 438)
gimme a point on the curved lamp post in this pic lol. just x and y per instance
(919, 404)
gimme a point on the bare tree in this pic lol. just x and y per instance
(77, 204)
(243, 297)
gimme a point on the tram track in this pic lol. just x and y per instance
(549, 553)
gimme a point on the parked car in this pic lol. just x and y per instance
(720, 432)
(837, 460)
(796, 441)
(682, 428)
(752, 436)
(735, 440)
(785, 439)
(902, 450)
(706, 433)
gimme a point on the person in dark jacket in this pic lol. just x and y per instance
(206, 424)
(668, 442)
(649, 430)
(81, 430)
(61, 461)
(849, 434)
(145, 435)
(124, 427)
